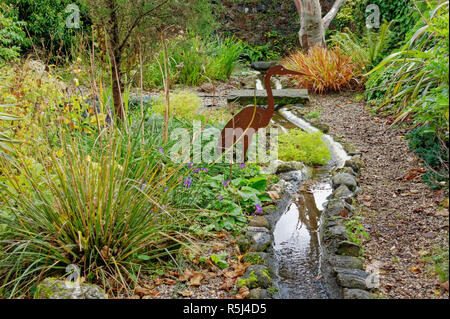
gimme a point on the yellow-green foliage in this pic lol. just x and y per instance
(183, 104)
(308, 148)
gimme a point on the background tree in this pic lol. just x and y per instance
(312, 24)
(124, 21)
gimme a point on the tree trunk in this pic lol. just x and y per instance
(312, 25)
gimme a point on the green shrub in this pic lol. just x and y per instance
(350, 16)
(12, 36)
(193, 60)
(305, 147)
(366, 51)
(401, 13)
(183, 104)
(424, 142)
(254, 53)
(415, 78)
(46, 22)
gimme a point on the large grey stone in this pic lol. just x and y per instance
(344, 179)
(356, 294)
(259, 97)
(263, 65)
(338, 207)
(52, 288)
(338, 232)
(347, 262)
(355, 162)
(256, 276)
(259, 293)
(351, 278)
(244, 243)
(259, 221)
(289, 166)
(261, 238)
(342, 192)
(348, 248)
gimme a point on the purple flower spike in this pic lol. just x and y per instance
(187, 183)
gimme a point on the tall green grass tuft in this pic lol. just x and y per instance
(193, 61)
(100, 204)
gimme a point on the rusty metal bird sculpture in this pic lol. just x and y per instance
(249, 120)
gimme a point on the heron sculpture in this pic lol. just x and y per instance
(250, 119)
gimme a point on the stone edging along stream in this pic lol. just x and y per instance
(343, 272)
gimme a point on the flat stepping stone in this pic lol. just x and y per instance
(284, 96)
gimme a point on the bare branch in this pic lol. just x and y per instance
(332, 13)
(136, 22)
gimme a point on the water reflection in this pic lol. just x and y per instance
(297, 246)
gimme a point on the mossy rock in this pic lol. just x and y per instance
(256, 276)
(53, 288)
(256, 258)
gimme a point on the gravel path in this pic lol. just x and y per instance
(402, 215)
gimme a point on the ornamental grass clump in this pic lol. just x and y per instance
(100, 206)
(326, 70)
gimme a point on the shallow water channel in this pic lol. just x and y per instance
(297, 248)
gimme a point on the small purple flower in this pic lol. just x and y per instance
(161, 150)
(258, 209)
(225, 183)
(187, 182)
(204, 169)
(197, 170)
(165, 189)
(190, 164)
(242, 165)
(220, 198)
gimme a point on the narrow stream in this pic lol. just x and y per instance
(297, 248)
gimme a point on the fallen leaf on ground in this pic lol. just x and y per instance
(173, 273)
(169, 281)
(445, 285)
(415, 270)
(140, 291)
(243, 292)
(186, 275)
(344, 212)
(157, 281)
(185, 293)
(227, 284)
(196, 279)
